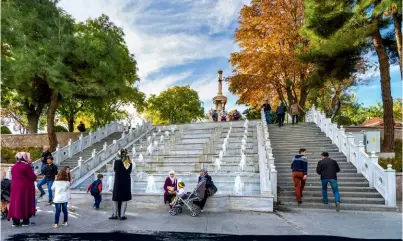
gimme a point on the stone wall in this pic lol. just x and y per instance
(399, 186)
(37, 140)
(398, 130)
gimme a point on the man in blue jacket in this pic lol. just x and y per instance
(299, 167)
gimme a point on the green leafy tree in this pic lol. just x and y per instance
(252, 113)
(176, 105)
(85, 61)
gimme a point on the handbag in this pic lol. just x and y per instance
(212, 189)
(170, 188)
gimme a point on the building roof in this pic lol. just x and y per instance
(378, 121)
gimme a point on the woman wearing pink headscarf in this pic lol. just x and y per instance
(22, 199)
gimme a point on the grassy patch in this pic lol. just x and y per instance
(8, 154)
(397, 161)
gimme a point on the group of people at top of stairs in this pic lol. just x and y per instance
(281, 111)
(19, 200)
(236, 115)
(327, 168)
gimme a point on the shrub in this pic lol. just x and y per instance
(397, 161)
(60, 128)
(5, 130)
(8, 154)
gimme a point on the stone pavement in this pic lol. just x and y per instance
(372, 225)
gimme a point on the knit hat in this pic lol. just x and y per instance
(181, 184)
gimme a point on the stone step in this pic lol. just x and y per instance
(318, 194)
(191, 136)
(318, 189)
(331, 200)
(313, 170)
(231, 168)
(280, 143)
(317, 183)
(340, 176)
(193, 177)
(337, 157)
(316, 178)
(286, 206)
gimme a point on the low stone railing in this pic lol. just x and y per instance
(383, 180)
(268, 173)
(62, 154)
(84, 166)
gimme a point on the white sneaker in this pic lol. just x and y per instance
(65, 224)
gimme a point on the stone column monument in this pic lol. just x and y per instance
(219, 100)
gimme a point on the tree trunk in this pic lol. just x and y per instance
(54, 101)
(70, 122)
(32, 123)
(302, 100)
(389, 132)
(33, 115)
(397, 20)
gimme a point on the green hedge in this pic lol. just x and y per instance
(397, 161)
(5, 130)
(8, 154)
(60, 129)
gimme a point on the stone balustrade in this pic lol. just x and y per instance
(383, 180)
(267, 169)
(108, 152)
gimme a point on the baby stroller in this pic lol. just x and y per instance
(188, 201)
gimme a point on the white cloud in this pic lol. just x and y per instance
(158, 84)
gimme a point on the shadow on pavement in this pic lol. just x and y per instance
(166, 236)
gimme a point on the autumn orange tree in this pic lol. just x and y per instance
(267, 65)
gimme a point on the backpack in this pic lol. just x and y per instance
(94, 188)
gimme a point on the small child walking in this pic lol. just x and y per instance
(69, 205)
(61, 189)
(96, 190)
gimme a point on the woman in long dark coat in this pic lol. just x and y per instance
(22, 200)
(170, 186)
(209, 184)
(122, 185)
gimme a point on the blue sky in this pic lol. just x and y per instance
(179, 42)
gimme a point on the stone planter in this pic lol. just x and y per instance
(398, 186)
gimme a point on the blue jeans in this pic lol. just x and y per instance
(97, 199)
(61, 207)
(50, 183)
(267, 115)
(335, 188)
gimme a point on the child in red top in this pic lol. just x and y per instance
(96, 190)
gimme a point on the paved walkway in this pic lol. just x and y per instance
(296, 222)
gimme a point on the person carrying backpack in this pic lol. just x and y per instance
(96, 189)
(281, 110)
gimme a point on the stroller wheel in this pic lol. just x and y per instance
(180, 210)
(193, 214)
(173, 212)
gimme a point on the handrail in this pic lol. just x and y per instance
(384, 181)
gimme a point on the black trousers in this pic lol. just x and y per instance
(295, 118)
(280, 119)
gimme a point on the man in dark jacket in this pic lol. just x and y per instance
(44, 158)
(281, 110)
(327, 169)
(215, 115)
(299, 167)
(50, 173)
(267, 108)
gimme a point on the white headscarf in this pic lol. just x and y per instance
(172, 178)
(26, 156)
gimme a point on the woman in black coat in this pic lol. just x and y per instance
(122, 185)
(209, 184)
